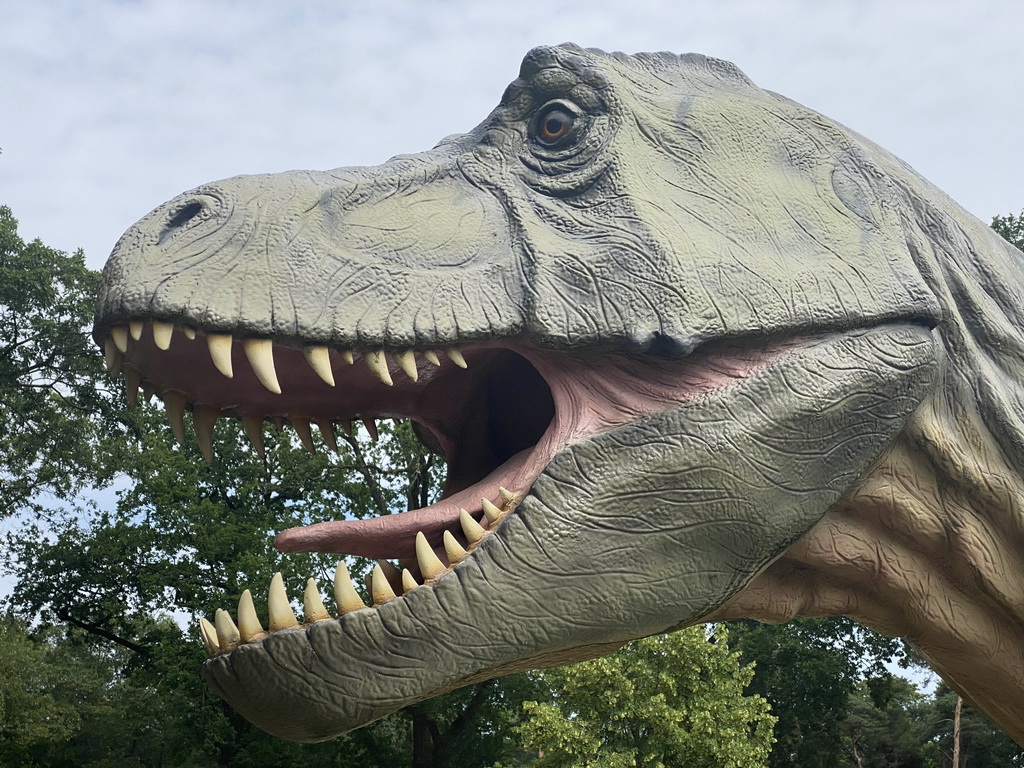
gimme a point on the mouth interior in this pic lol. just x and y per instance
(497, 413)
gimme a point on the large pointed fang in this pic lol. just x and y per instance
(135, 329)
(455, 551)
(312, 606)
(220, 351)
(249, 627)
(162, 333)
(319, 360)
(409, 582)
(132, 382)
(260, 353)
(377, 362)
(345, 595)
(112, 357)
(380, 588)
(281, 614)
(253, 426)
(327, 433)
(430, 564)
(174, 407)
(227, 632)
(431, 357)
(204, 417)
(456, 357)
(473, 530)
(209, 635)
(120, 336)
(492, 512)
(371, 428)
(407, 362)
(304, 432)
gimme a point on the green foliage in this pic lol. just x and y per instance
(1011, 228)
(670, 700)
(53, 400)
(982, 745)
(808, 670)
(889, 730)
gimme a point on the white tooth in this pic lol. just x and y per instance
(408, 581)
(327, 433)
(249, 627)
(492, 512)
(345, 595)
(431, 357)
(135, 329)
(456, 357)
(132, 382)
(377, 362)
(112, 357)
(190, 333)
(253, 426)
(473, 530)
(380, 587)
(204, 417)
(507, 497)
(347, 356)
(261, 357)
(312, 606)
(162, 333)
(281, 614)
(371, 427)
(209, 635)
(430, 564)
(407, 362)
(455, 551)
(304, 432)
(120, 336)
(319, 360)
(227, 632)
(174, 407)
(220, 351)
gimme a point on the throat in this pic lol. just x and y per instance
(922, 547)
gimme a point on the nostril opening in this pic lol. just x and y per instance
(181, 217)
(185, 215)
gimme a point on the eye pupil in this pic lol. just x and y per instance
(554, 125)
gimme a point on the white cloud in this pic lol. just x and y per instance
(109, 108)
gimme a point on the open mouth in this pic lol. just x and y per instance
(498, 412)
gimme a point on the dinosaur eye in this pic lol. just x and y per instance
(554, 124)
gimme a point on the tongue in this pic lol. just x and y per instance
(394, 536)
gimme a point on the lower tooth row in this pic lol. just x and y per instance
(259, 352)
(223, 635)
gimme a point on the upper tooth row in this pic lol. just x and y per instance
(223, 635)
(260, 354)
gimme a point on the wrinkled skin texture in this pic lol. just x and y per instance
(733, 359)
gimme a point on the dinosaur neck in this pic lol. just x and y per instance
(927, 546)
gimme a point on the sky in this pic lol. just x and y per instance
(110, 107)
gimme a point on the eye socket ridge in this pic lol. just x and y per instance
(557, 124)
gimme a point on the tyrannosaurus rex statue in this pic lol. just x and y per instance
(691, 351)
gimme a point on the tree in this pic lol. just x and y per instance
(667, 700)
(982, 745)
(1011, 228)
(808, 669)
(887, 731)
(54, 403)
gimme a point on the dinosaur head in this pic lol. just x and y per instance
(656, 320)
